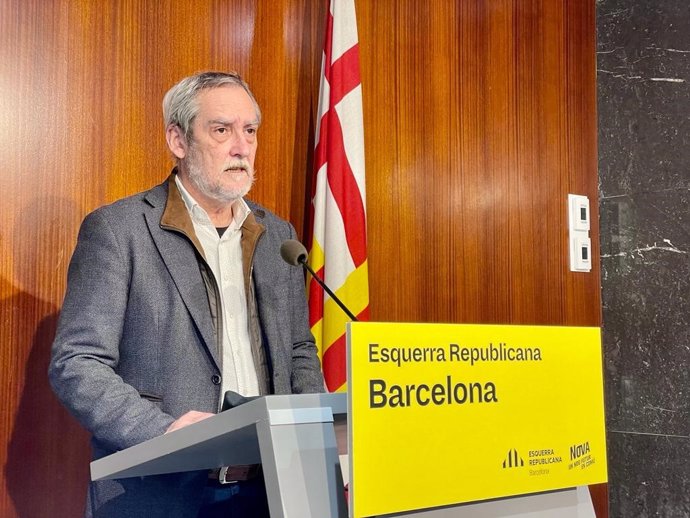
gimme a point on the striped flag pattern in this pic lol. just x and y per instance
(338, 249)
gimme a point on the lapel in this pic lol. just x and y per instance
(272, 309)
(173, 233)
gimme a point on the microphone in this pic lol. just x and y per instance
(294, 253)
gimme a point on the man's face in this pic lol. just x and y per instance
(220, 157)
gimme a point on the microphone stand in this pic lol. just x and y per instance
(302, 260)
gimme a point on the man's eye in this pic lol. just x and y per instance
(251, 131)
(221, 130)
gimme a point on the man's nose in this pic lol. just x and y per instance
(240, 145)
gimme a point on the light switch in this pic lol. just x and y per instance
(578, 212)
(580, 245)
(583, 254)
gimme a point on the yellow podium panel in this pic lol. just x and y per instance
(441, 414)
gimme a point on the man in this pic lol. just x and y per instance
(176, 295)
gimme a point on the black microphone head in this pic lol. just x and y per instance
(293, 252)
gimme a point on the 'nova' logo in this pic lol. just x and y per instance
(578, 450)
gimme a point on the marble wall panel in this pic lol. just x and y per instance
(643, 62)
(651, 476)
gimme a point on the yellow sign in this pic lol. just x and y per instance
(442, 414)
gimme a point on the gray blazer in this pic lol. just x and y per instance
(135, 346)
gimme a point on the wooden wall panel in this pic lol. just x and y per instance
(81, 85)
(479, 119)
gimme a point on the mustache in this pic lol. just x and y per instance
(238, 163)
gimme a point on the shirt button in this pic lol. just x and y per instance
(215, 379)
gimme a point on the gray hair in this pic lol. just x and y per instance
(180, 105)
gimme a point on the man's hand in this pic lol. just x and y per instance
(190, 417)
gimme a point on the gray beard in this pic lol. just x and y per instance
(215, 190)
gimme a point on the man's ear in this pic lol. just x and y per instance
(176, 141)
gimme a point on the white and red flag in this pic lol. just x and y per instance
(338, 249)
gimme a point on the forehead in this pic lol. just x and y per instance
(229, 102)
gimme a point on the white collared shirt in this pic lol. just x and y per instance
(224, 256)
